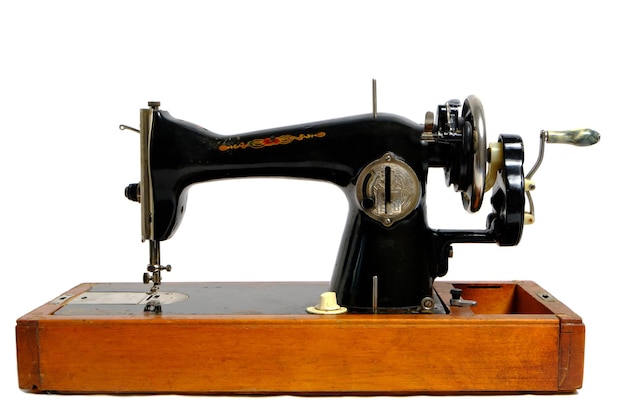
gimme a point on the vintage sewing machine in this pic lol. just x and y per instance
(381, 324)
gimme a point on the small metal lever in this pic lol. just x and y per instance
(125, 127)
(458, 301)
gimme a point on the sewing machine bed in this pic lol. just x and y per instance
(257, 338)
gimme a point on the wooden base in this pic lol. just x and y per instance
(256, 338)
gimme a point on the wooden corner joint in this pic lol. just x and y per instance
(571, 353)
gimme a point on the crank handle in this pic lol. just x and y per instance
(578, 137)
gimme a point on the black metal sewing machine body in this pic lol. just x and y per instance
(380, 161)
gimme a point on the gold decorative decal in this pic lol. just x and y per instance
(271, 141)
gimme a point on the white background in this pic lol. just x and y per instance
(71, 72)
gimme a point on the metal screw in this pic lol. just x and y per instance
(427, 303)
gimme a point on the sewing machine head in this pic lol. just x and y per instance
(388, 257)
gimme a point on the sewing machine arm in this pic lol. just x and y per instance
(388, 256)
(182, 154)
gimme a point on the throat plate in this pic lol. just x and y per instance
(128, 298)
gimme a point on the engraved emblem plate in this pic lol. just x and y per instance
(388, 189)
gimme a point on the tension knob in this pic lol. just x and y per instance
(132, 192)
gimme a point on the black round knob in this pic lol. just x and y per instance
(132, 192)
(456, 293)
(367, 203)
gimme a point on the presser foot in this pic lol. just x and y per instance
(156, 282)
(154, 267)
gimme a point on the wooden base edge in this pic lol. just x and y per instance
(356, 355)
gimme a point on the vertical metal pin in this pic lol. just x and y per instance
(375, 293)
(374, 99)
